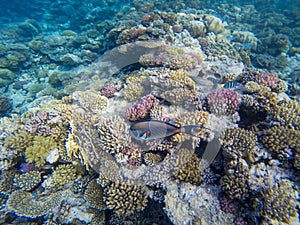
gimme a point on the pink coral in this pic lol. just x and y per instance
(223, 101)
(228, 205)
(267, 79)
(141, 110)
(108, 90)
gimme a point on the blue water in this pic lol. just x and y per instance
(51, 49)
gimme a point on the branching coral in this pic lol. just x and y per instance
(142, 109)
(133, 91)
(189, 169)
(114, 134)
(282, 141)
(90, 100)
(223, 101)
(24, 204)
(239, 143)
(63, 174)
(39, 150)
(287, 113)
(27, 181)
(125, 199)
(279, 202)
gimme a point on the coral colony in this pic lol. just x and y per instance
(67, 155)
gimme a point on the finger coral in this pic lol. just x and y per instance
(223, 101)
(39, 150)
(125, 199)
(287, 113)
(142, 109)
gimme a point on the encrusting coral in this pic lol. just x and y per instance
(125, 199)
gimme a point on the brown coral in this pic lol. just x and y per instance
(94, 195)
(114, 134)
(125, 199)
(282, 141)
(287, 113)
(279, 203)
(239, 143)
(27, 181)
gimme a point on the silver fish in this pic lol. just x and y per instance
(155, 129)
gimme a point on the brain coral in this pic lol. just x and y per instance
(114, 134)
(279, 203)
(125, 199)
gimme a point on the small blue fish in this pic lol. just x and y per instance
(230, 84)
(155, 129)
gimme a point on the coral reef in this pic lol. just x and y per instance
(279, 203)
(90, 100)
(24, 204)
(114, 135)
(125, 199)
(223, 101)
(27, 181)
(94, 195)
(40, 149)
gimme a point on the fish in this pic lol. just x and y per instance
(155, 129)
(230, 84)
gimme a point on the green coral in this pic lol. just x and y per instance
(125, 199)
(39, 150)
(25, 204)
(279, 203)
(27, 181)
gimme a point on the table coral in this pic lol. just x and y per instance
(113, 134)
(223, 101)
(24, 204)
(125, 199)
(39, 150)
(279, 203)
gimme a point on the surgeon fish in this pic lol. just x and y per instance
(155, 129)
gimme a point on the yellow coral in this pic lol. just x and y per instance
(181, 79)
(62, 175)
(39, 150)
(133, 91)
(90, 100)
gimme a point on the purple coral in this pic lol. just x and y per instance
(267, 79)
(223, 101)
(108, 90)
(239, 221)
(228, 205)
(26, 167)
(141, 109)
